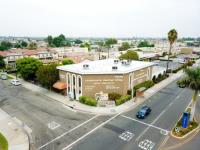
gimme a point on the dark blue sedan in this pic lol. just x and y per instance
(143, 112)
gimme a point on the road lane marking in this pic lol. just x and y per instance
(146, 144)
(126, 136)
(53, 125)
(82, 137)
(149, 125)
(65, 133)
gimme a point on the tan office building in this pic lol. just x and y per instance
(109, 75)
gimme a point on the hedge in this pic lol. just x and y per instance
(123, 99)
(159, 78)
(88, 100)
(114, 96)
(3, 143)
(147, 84)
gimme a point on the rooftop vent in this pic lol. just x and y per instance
(126, 62)
(85, 66)
(116, 61)
(114, 67)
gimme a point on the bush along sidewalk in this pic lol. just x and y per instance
(180, 132)
(3, 143)
(146, 84)
(160, 78)
(88, 100)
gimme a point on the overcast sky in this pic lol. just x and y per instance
(99, 18)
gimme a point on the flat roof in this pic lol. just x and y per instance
(105, 67)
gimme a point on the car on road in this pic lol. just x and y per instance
(15, 82)
(143, 112)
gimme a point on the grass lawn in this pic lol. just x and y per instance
(3, 143)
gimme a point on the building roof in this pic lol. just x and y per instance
(105, 67)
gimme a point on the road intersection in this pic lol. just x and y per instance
(54, 127)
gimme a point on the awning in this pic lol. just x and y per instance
(60, 85)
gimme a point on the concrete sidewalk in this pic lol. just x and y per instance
(15, 135)
(75, 105)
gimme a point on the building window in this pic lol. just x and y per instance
(68, 82)
(79, 85)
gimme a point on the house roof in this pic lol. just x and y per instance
(105, 67)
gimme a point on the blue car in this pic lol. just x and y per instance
(143, 112)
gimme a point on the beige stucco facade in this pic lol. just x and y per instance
(90, 84)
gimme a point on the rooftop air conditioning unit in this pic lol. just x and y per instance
(116, 61)
(85, 66)
(126, 62)
(114, 67)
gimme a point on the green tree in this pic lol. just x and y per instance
(108, 43)
(78, 41)
(101, 44)
(193, 82)
(125, 46)
(47, 75)
(129, 55)
(27, 67)
(49, 40)
(32, 46)
(172, 37)
(111, 41)
(145, 44)
(24, 44)
(2, 63)
(67, 61)
(59, 41)
(87, 45)
(5, 45)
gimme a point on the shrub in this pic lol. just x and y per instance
(114, 96)
(129, 92)
(183, 82)
(87, 100)
(123, 99)
(190, 63)
(154, 79)
(3, 143)
(147, 84)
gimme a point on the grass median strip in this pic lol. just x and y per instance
(3, 143)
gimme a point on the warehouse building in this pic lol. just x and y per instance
(109, 75)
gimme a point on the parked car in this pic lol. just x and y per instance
(15, 82)
(143, 112)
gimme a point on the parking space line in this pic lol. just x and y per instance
(65, 133)
(149, 125)
(85, 135)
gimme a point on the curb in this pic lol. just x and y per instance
(113, 110)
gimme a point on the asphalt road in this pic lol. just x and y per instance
(172, 65)
(191, 142)
(126, 132)
(47, 119)
(54, 127)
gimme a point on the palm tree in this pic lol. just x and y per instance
(193, 82)
(172, 37)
